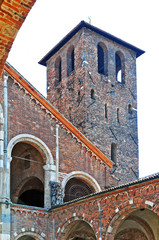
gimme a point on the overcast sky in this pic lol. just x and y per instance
(134, 21)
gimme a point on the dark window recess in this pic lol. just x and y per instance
(32, 198)
(100, 60)
(79, 96)
(130, 109)
(92, 94)
(106, 111)
(118, 120)
(113, 152)
(70, 60)
(58, 69)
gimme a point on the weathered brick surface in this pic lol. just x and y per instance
(116, 205)
(26, 116)
(72, 96)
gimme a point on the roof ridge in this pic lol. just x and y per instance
(38, 96)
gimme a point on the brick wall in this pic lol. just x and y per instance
(137, 203)
(27, 116)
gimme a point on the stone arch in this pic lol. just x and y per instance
(37, 142)
(81, 180)
(76, 227)
(131, 211)
(46, 167)
(28, 236)
(82, 175)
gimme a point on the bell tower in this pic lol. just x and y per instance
(91, 80)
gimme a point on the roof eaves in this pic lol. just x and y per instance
(94, 29)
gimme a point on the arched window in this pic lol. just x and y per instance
(120, 67)
(76, 188)
(113, 152)
(70, 60)
(92, 94)
(102, 59)
(58, 69)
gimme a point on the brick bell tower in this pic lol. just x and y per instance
(91, 80)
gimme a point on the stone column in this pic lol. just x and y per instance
(1, 152)
(4, 221)
(50, 175)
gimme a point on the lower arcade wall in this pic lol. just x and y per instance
(103, 213)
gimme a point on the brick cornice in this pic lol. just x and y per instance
(58, 115)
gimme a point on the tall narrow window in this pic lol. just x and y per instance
(120, 67)
(79, 96)
(102, 58)
(113, 152)
(70, 60)
(130, 109)
(106, 111)
(92, 94)
(118, 120)
(58, 69)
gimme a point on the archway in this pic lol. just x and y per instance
(78, 230)
(79, 184)
(140, 224)
(31, 192)
(27, 175)
(34, 141)
(30, 157)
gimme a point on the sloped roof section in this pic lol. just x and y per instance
(81, 25)
(40, 98)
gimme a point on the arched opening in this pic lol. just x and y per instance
(31, 192)
(76, 188)
(78, 230)
(70, 60)
(27, 175)
(102, 59)
(58, 69)
(120, 67)
(140, 224)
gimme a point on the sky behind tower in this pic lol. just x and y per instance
(134, 21)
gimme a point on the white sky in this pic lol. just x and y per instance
(134, 21)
